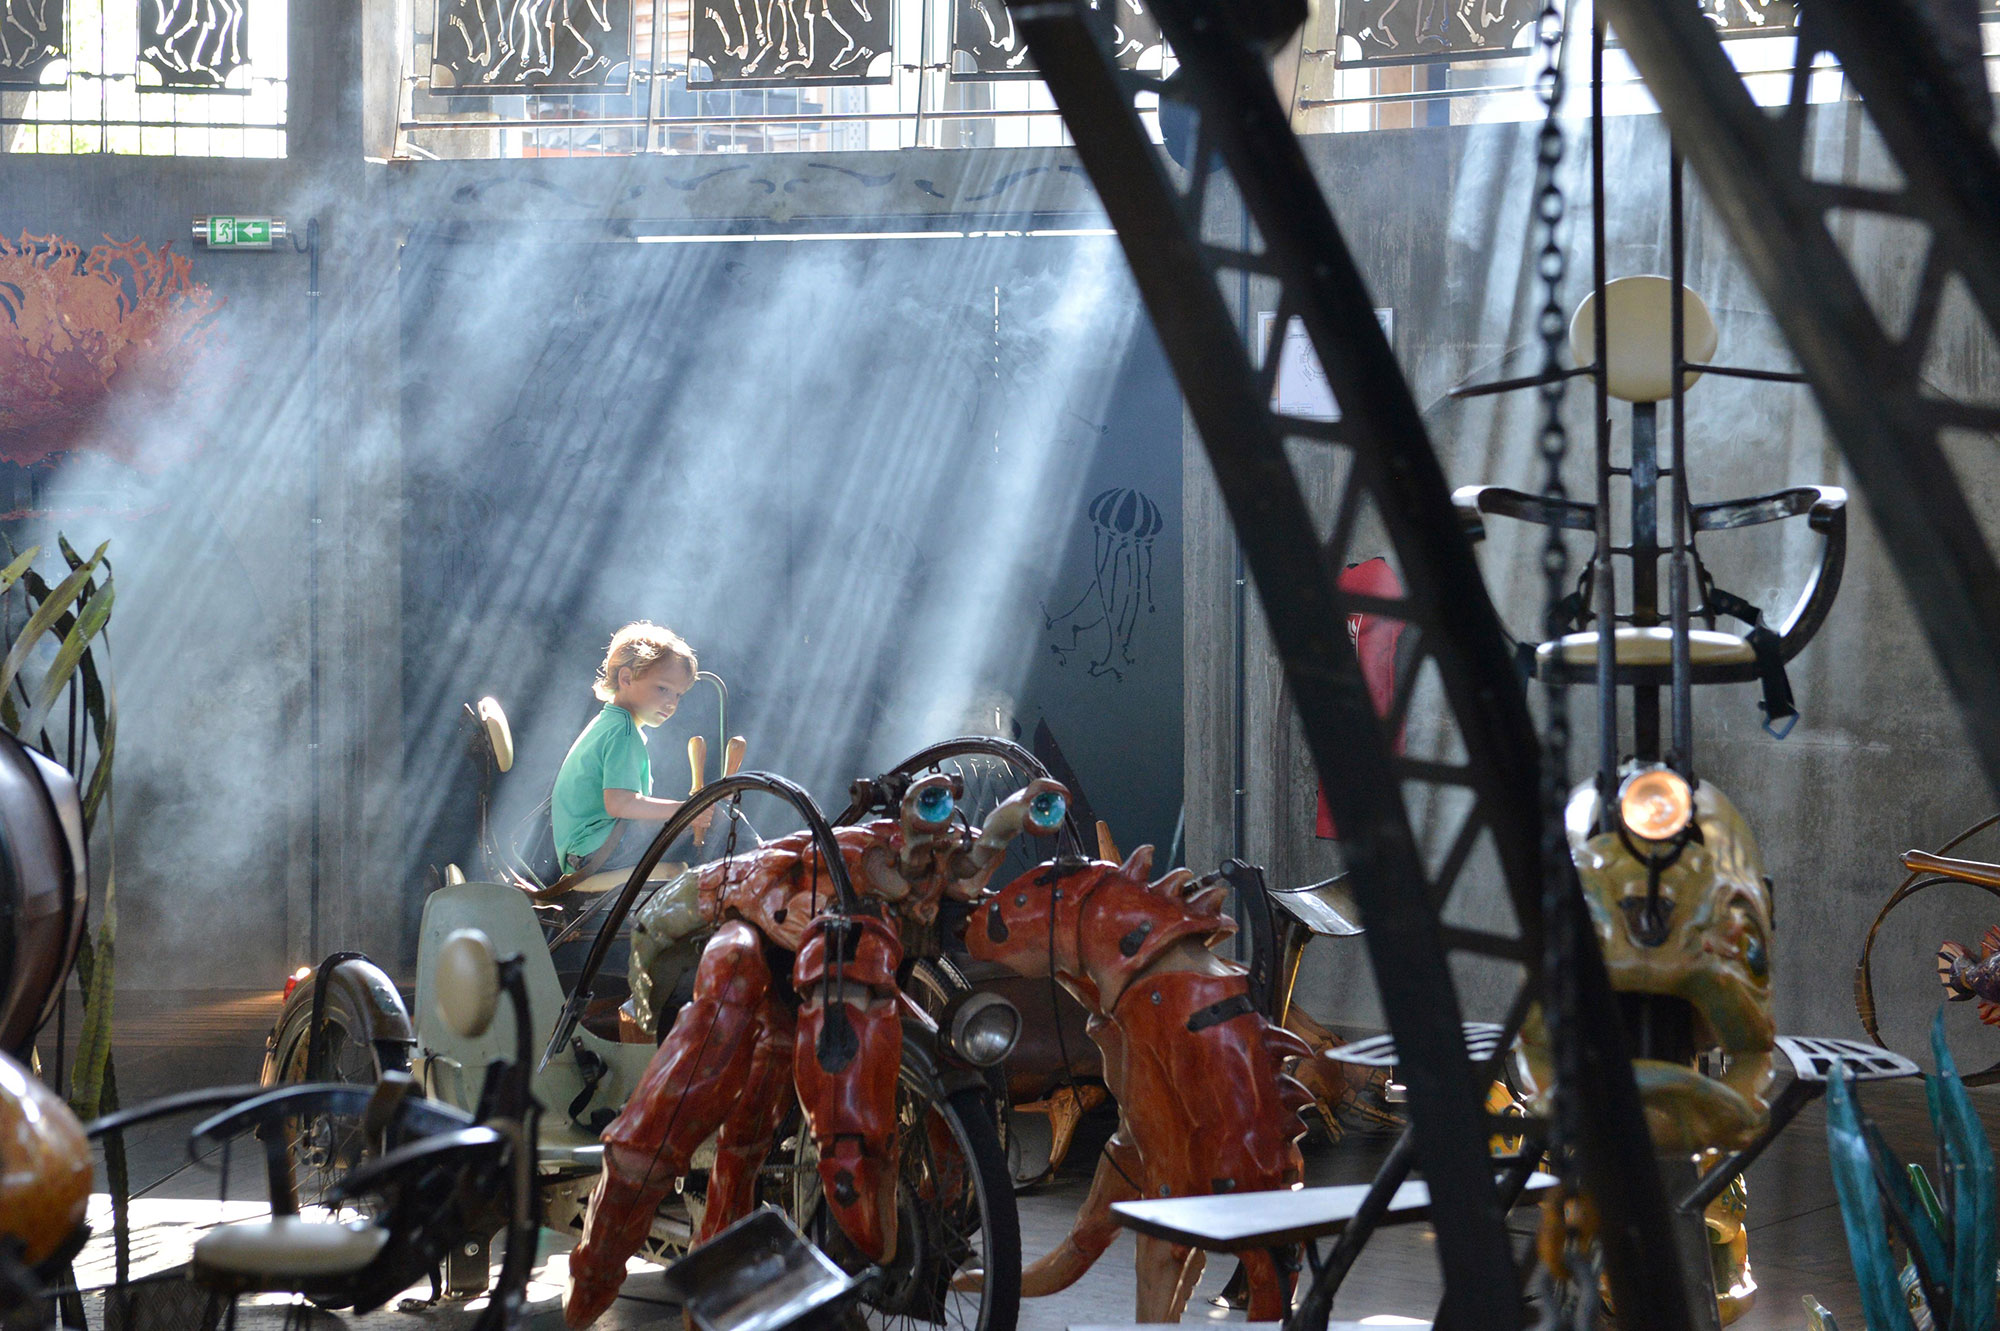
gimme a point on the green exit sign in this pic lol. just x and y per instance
(238, 233)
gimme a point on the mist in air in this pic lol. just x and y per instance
(847, 471)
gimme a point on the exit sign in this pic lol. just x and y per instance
(238, 233)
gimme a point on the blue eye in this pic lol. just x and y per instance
(1754, 957)
(1046, 809)
(934, 805)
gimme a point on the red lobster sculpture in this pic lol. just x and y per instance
(835, 1028)
(1204, 1103)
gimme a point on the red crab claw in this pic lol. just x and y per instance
(850, 1046)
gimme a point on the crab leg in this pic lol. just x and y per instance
(688, 1090)
(752, 1125)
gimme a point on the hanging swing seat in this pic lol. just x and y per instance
(1649, 646)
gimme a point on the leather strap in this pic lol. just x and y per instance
(1780, 712)
(582, 871)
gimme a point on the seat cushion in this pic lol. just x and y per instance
(286, 1246)
(1652, 646)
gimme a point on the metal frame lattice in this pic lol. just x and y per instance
(1242, 132)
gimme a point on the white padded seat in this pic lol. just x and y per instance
(286, 1246)
(1652, 646)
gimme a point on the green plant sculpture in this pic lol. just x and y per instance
(1951, 1235)
(56, 694)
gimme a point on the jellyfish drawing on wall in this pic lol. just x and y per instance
(1103, 617)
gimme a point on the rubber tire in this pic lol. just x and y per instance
(285, 1062)
(973, 1112)
(970, 1117)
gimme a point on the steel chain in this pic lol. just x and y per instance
(1569, 1281)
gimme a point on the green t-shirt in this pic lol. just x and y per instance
(610, 754)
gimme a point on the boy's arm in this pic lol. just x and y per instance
(630, 804)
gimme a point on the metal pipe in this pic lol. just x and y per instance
(312, 584)
(1239, 722)
(830, 119)
(1606, 586)
(923, 69)
(1677, 566)
(653, 86)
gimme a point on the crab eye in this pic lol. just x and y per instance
(935, 804)
(1046, 810)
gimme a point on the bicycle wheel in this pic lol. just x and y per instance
(954, 1215)
(326, 1146)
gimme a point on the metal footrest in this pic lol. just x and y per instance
(1234, 1221)
(1482, 1041)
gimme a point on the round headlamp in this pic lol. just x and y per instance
(1655, 803)
(981, 1028)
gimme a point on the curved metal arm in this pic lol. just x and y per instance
(1823, 506)
(990, 746)
(328, 1097)
(1473, 502)
(186, 1102)
(728, 787)
(1825, 509)
(369, 1177)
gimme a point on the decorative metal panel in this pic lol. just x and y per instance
(515, 46)
(194, 44)
(1748, 18)
(1401, 31)
(1394, 32)
(985, 44)
(31, 35)
(812, 43)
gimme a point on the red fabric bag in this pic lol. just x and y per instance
(1375, 639)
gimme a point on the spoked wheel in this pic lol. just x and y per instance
(955, 1215)
(326, 1146)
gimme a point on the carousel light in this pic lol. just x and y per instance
(1655, 803)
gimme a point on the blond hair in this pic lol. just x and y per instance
(640, 645)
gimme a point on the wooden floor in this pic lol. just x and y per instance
(175, 1041)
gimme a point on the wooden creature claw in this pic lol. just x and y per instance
(849, 1048)
(1204, 1102)
(836, 1035)
(1026, 810)
(689, 1090)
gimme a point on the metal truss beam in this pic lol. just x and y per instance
(1241, 127)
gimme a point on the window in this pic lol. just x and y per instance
(172, 78)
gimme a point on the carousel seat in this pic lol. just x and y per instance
(285, 1248)
(1652, 646)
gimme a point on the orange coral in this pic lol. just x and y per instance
(79, 329)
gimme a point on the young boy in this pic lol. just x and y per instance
(603, 810)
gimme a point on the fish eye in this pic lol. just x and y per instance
(1046, 810)
(1748, 935)
(935, 804)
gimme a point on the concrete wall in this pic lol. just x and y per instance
(1436, 218)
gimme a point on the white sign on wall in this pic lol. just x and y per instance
(1302, 389)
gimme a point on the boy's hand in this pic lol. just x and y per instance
(701, 822)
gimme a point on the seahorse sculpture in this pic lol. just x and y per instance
(1204, 1101)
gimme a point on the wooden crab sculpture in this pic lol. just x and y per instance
(1204, 1103)
(829, 1026)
